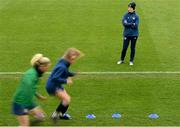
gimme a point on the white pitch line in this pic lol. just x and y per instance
(105, 73)
(132, 72)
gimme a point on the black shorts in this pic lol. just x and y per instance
(52, 90)
(18, 109)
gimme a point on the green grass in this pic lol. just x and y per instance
(94, 26)
(134, 96)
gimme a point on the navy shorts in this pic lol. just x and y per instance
(18, 109)
(52, 90)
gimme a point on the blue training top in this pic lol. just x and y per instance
(130, 22)
(58, 76)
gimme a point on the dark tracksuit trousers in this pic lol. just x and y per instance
(126, 42)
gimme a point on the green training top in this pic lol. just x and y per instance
(27, 89)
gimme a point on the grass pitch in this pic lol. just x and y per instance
(94, 26)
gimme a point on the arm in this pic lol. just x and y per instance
(71, 74)
(39, 96)
(30, 87)
(58, 74)
(136, 24)
(125, 23)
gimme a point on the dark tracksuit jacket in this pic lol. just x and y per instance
(130, 22)
(58, 76)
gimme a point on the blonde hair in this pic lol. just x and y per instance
(38, 59)
(72, 53)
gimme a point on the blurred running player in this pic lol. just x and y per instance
(60, 76)
(23, 100)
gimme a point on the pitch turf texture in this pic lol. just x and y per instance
(94, 26)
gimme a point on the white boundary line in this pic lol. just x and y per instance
(130, 72)
(105, 73)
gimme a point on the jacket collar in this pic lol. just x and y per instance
(131, 12)
(67, 64)
(39, 73)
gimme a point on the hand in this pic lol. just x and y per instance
(40, 97)
(69, 81)
(125, 21)
(78, 72)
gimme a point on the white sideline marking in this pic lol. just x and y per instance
(133, 72)
(104, 73)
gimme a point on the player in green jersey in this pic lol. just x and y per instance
(23, 100)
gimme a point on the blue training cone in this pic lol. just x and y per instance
(116, 115)
(90, 116)
(153, 116)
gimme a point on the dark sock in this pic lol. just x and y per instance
(61, 108)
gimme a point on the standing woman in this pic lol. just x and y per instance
(23, 100)
(60, 76)
(130, 22)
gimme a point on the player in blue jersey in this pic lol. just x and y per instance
(60, 76)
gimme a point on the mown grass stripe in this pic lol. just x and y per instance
(104, 73)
